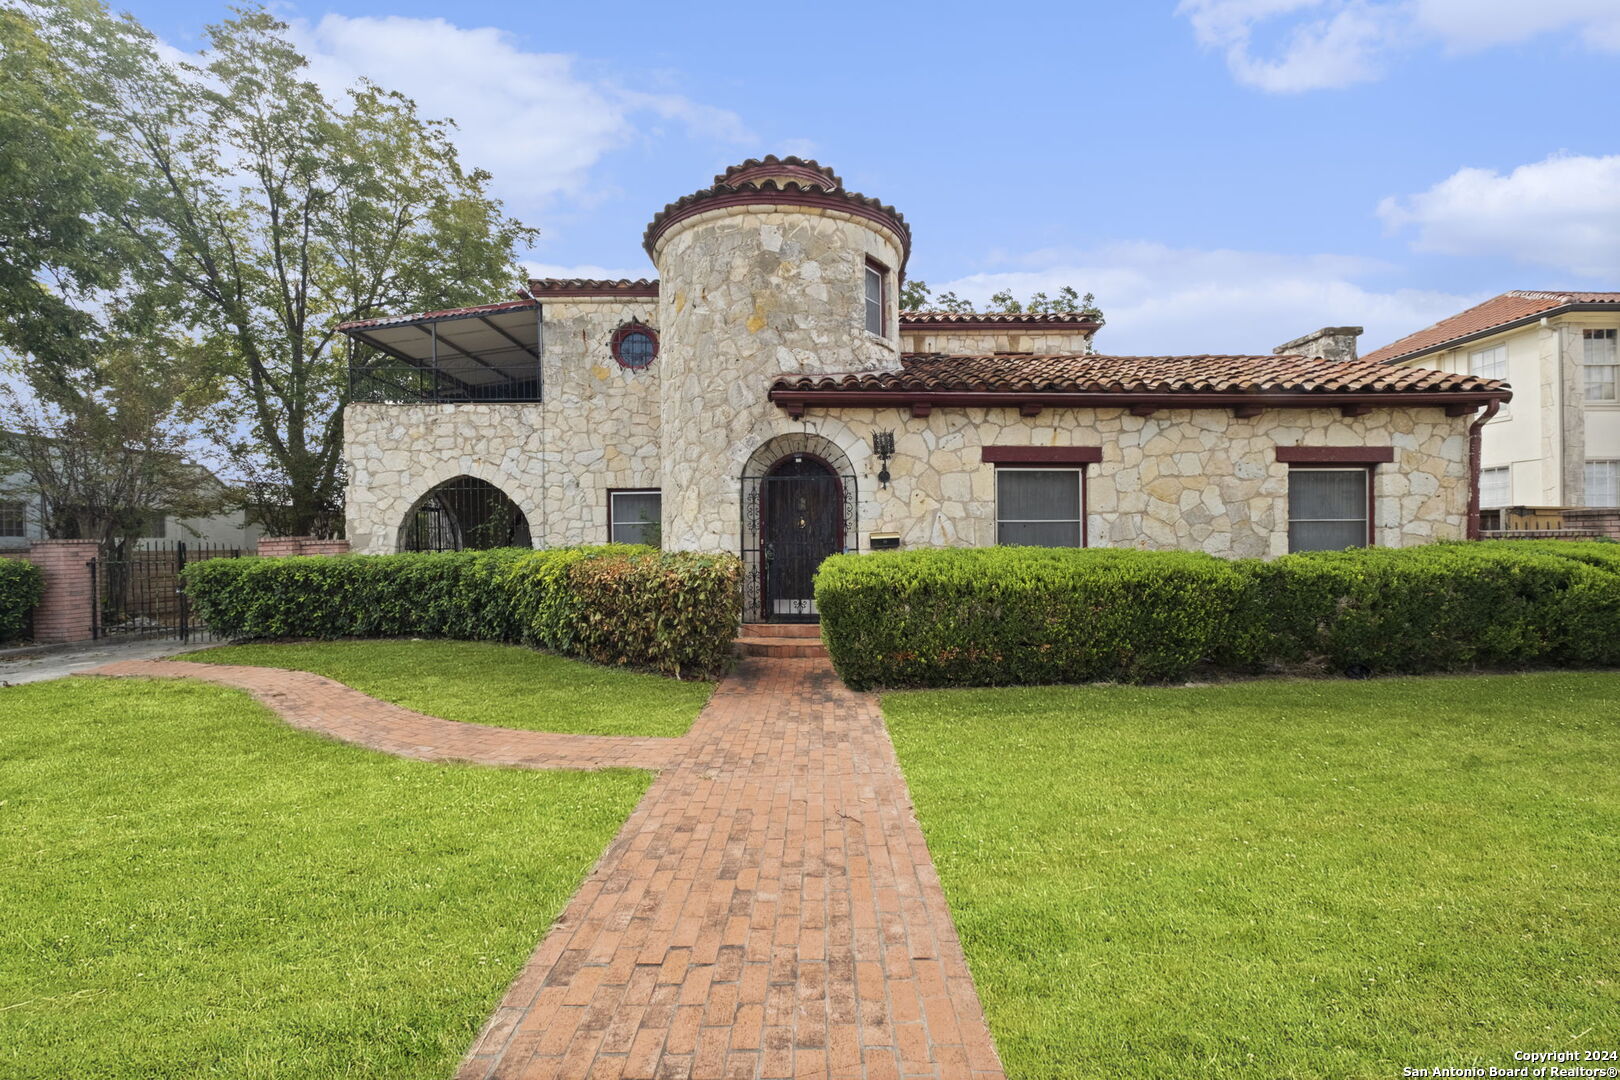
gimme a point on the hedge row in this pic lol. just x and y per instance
(20, 589)
(976, 617)
(615, 604)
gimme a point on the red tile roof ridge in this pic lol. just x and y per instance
(741, 182)
(1498, 311)
(1100, 373)
(1012, 317)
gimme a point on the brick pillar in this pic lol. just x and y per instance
(273, 547)
(326, 547)
(65, 608)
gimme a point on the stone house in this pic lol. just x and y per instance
(1558, 444)
(765, 395)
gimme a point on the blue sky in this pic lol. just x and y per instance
(1223, 174)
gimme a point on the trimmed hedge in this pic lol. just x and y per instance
(967, 617)
(614, 604)
(987, 616)
(21, 586)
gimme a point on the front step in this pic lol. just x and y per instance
(782, 629)
(801, 641)
(781, 647)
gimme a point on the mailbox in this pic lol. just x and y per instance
(884, 541)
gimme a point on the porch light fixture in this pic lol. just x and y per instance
(883, 447)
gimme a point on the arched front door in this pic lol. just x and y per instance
(801, 523)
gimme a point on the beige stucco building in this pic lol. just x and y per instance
(765, 395)
(1558, 443)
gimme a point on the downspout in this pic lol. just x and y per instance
(1475, 439)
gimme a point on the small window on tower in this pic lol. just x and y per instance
(877, 296)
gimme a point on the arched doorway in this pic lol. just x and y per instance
(464, 514)
(799, 507)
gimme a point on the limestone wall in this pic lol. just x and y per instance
(597, 429)
(985, 342)
(1187, 479)
(750, 293)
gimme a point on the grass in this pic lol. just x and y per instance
(1279, 879)
(192, 889)
(484, 683)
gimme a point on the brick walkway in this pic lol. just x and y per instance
(316, 703)
(769, 909)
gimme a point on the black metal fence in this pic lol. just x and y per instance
(138, 591)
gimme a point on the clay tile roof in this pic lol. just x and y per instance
(1498, 311)
(428, 316)
(1090, 373)
(803, 168)
(541, 287)
(788, 180)
(946, 318)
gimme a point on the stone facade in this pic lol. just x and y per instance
(751, 291)
(1200, 480)
(596, 431)
(750, 294)
(976, 342)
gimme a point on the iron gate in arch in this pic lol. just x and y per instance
(797, 513)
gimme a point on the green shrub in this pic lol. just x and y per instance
(986, 616)
(20, 589)
(967, 617)
(615, 604)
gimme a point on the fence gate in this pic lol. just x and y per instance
(136, 589)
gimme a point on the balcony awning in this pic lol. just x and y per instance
(485, 353)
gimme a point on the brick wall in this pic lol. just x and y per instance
(275, 547)
(64, 610)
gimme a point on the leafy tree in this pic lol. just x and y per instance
(53, 252)
(263, 214)
(109, 448)
(917, 296)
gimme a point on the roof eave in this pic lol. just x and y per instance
(786, 398)
(1500, 328)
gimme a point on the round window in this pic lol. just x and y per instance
(634, 346)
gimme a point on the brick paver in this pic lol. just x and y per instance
(316, 703)
(769, 909)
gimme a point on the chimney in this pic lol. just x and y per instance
(1328, 343)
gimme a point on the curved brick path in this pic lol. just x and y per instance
(768, 910)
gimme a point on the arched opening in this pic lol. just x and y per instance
(799, 507)
(464, 514)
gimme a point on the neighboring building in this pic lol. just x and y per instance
(22, 517)
(1558, 443)
(766, 396)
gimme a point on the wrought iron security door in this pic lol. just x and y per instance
(796, 515)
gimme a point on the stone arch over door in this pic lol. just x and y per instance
(794, 457)
(463, 512)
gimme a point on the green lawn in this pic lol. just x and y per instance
(1279, 879)
(483, 683)
(190, 888)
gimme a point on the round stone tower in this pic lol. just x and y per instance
(762, 274)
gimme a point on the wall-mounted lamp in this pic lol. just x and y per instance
(883, 447)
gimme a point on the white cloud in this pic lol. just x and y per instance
(585, 270)
(1563, 212)
(530, 118)
(1336, 43)
(1477, 24)
(1159, 299)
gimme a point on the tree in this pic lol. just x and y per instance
(264, 215)
(54, 252)
(917, 296)
(101, 458)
